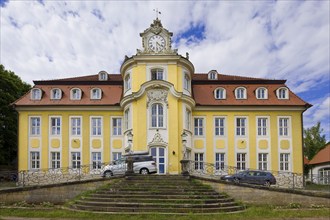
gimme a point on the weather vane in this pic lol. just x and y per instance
(157, 12)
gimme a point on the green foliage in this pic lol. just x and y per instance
(11, 88)
(313, 141)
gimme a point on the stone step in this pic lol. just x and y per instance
(159, 192)
(158, 189)
(158, 209)
(160, 196)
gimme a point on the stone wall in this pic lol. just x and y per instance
(273, 196)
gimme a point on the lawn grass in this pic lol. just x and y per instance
(318, 187)
(252, 213)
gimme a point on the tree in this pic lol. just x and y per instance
(11, 88)
(313, 141)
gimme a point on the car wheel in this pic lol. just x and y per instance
(108, 174)
(267, 184)
(144, 171)
(236, 180)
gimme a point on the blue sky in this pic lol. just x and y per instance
(269, 39)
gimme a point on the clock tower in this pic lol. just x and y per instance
(156, 40)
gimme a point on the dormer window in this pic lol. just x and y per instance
(56, 94)
(220, 93)
(75, 94)
(240, 93)
(127, 82)
(96, 93)
(262, 93)
(186, 82)
(103, 76)
(282, 93)
(36, 94)
(213, 75)
(157, 74)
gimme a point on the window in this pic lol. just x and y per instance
(324, 176)
(240, 93)
(157, 116)
(103, 76)
(55, 160)
(283, 126)
(219, 125)
(186, 82)
(75, 94)
(56, 94)
(96, 93)
(282, 93)
(96, 126)
(262, 161)
(35, 126)
(188, 119)
(36, 94)
(127, 82)
(262, 126)
(219, 161)
(55, 126)
(96, 160)
(213, 75)
(75, 160)
(240, 126)
(35, 160)
(127, 119)
(241, 161)
(116, 126)
(199, 127)
(261, 93)
(75, 126)
(116, 155)
(199, 161)
(284, 162)
(220, 93)
(157, 74)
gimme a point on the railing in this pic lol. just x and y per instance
(318, 179)
(215, 171)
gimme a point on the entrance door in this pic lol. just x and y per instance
(158, 153)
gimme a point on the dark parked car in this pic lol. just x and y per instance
(252, 177)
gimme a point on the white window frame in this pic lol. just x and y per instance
(36, 94)
(220, 160)
(117, 128)
(75, 129)
(96, 158)
(96, 93)
(199, 126)
(262, 93)
(284, 130)
(240, 93)
(285, 162)
(34, 160)
(75, 94)
(127, 118)
(262, 126)
(188, 119)
(56, 94)
(199, 161)
(263, 161)
(103, 76)
(116, 155)
(55, 129)
(241, 130)
(35, 129)
(127, 82)
(241, 161)
(213, 75)
(186, 82)
(55, 159)
(220, 129)
(220, 93)
(157, 117)
(282, 93)
(97, 127)
(75, 162)
(157, 74)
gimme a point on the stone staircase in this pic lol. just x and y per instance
(157, 194)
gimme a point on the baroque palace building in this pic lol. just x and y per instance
(159, 106)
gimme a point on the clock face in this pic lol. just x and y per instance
(156, 43)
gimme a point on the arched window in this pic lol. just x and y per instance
(75, 94)
(157, 116)
(282, 93)
(157, 74)
(240, 93)
(186, 82)
(96, 93)
(56, 93)
(36, 94)
(127, 82)
(220, 93)
(213, 75)
(261, 93)
(103, 76)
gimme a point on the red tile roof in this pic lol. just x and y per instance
(323, 156)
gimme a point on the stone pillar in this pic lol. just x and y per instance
(185, 167)
(129, 171)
